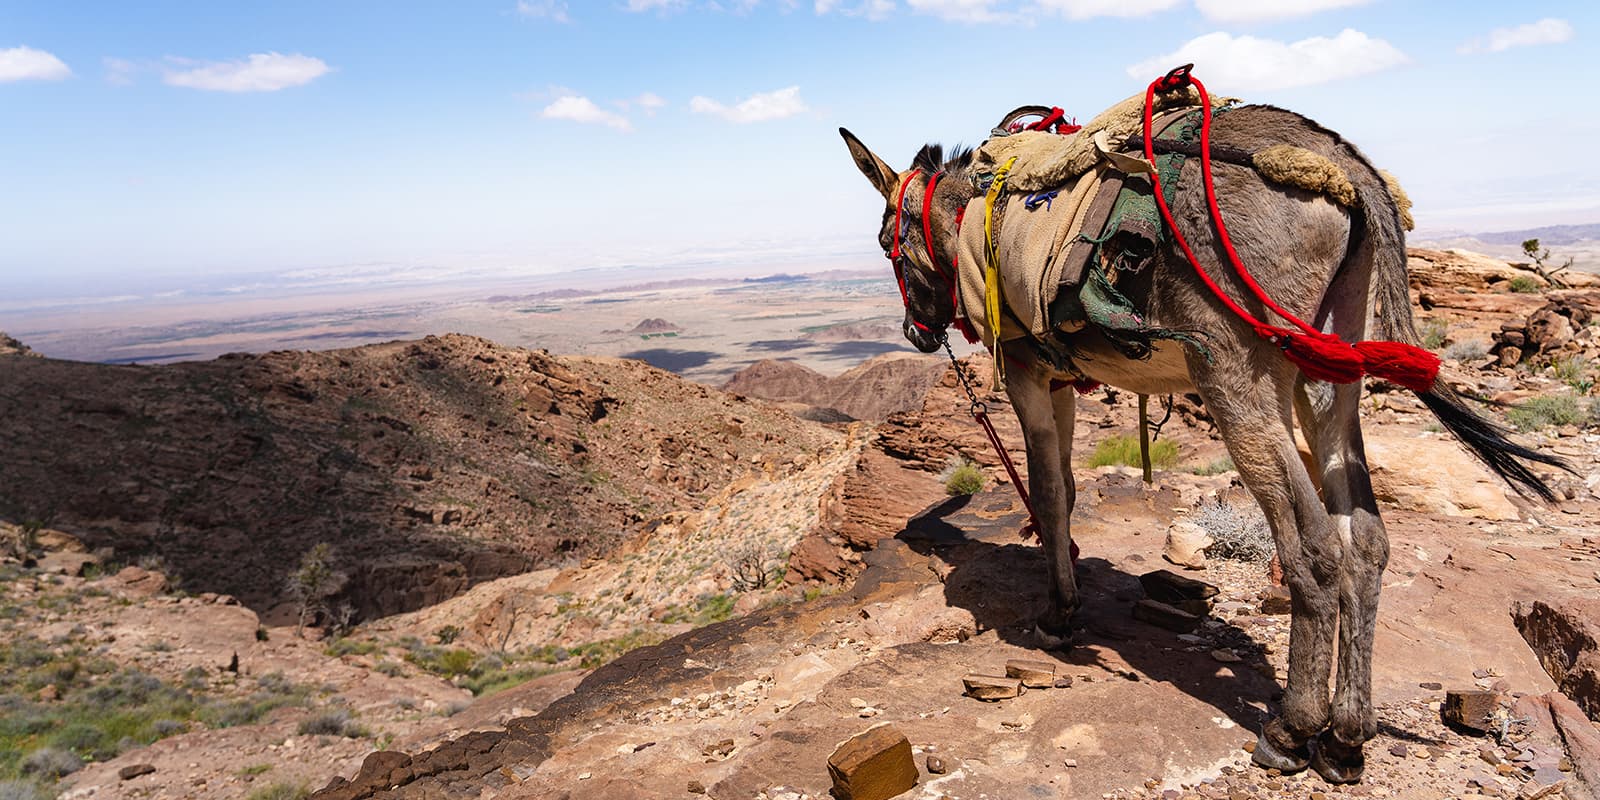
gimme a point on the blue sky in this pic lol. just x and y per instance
(156, 143)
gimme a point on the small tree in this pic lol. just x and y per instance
(1531, 249)
(314, 583)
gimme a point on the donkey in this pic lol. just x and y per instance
(1321, 261)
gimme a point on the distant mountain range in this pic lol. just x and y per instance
(1548, 236)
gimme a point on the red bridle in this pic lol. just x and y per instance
(895, 254)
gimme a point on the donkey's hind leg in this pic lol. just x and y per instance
(1330, 417)
(1248, 392)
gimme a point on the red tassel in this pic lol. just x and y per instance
(1411, 367)
(966, 330)
(1322, 357)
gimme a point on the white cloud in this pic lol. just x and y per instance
(962, 10)
(24, 63)
(1085, 9)
(119, 71)
(553, 10)
(755, 108)
(649, 101)
(871, 9)
(1546, 31)
(654, 5)
(1264, 10)
(1233, 64)
(258, 72)
(581, 109)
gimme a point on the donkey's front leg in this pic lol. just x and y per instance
(1043, 432)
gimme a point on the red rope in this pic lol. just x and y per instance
(1321, 356)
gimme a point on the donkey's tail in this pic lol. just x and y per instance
(1383, 205)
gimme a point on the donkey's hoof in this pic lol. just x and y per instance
(1287, 761)
(1336, 761)
(1048, 638)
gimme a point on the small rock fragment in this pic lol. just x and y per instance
(135, 770)
(1063, 682)
(991, 687)
(1225, 655)
(1033, 674)
(875, 764)
(718, 751)
(696, 787)
(936, 765)
(1277, 601)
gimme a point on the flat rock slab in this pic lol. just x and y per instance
(1033, 674)
(991, 687)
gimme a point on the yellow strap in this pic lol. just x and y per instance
(991, 274)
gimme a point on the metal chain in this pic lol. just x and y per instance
(978, 406)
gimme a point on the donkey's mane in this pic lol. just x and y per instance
(931, 158)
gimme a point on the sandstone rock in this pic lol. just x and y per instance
(1277, 601)
(135, 770)
(1435, 476)
(1472, 709)
(873, 765)
(991, 687)
(140, 582)
(1186, 545)
(799, 679)
(1163, 615)
(1565, 635)
(1032, 674)
(73, 564)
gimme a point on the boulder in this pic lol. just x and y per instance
(1565, 636)
(1470, 709)
(1186, 545)
(875, 764)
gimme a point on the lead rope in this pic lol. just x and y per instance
(980, 412)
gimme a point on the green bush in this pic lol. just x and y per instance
(1574, 371)
(1433, 332)
(715, 608)
(1525, 284)
(1124, 450)
(963, 477)
(345, 647)
(1217, 467)
(22, 790)
(280, 791)
(1546, 411)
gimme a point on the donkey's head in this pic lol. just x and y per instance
(913, 214)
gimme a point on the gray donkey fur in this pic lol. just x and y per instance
(1322, 262)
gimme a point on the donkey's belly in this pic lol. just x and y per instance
(1166, 372)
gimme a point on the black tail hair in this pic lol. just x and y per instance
(1490, 443)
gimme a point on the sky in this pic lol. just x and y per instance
(148, 146)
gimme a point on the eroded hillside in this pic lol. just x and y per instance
(430, 465)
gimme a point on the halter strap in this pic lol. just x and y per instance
(899, 212)
(927, 220)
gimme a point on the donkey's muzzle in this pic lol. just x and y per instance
(921, 338)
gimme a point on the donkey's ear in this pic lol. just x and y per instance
(879, 174)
